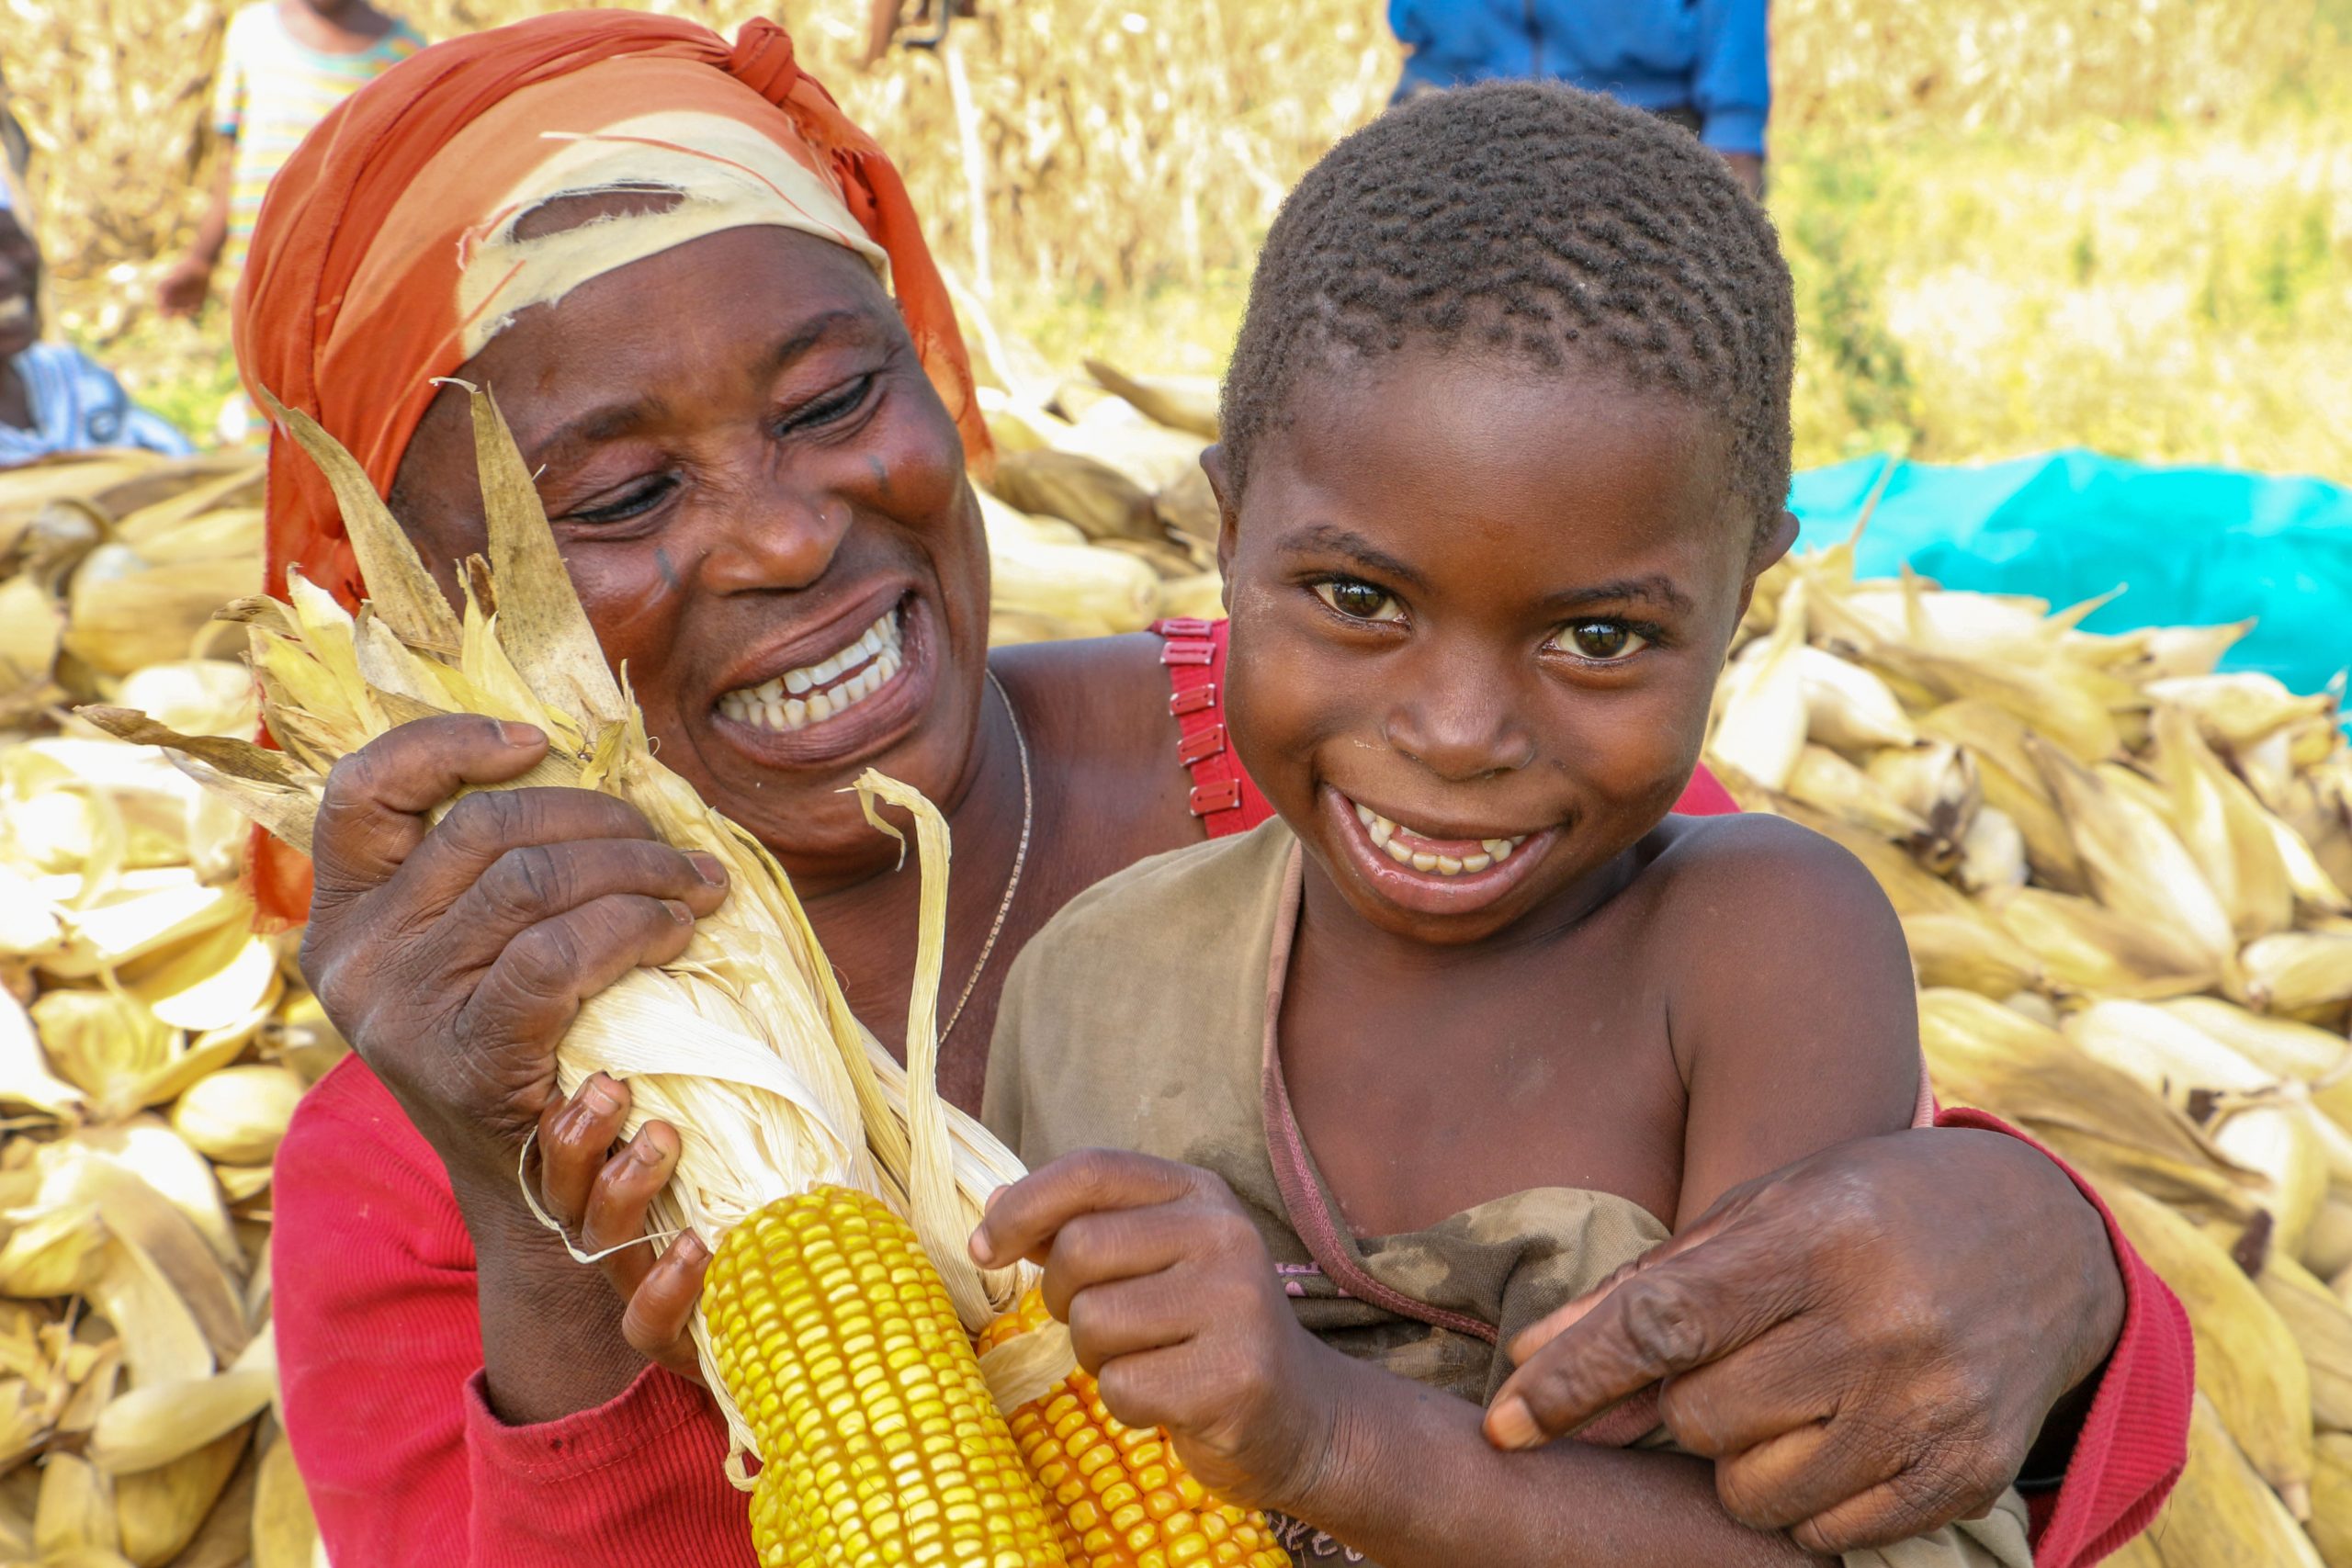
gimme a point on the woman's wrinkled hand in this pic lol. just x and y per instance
(453, 956)
(1866, 1343)
(1172, 1306)
(598, 1187)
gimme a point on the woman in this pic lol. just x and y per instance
(706, 308)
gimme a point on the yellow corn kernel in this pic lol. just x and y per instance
(1117, 1497)
(838, 1342)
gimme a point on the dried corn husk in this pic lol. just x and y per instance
(745, 1043)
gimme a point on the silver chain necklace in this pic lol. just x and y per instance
(1020, 858)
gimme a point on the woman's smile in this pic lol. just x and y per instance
(850, 686)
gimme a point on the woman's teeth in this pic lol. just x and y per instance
(814, 693)
(14, 310)
(1423, 854)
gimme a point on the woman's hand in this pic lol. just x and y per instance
(454, 956)
(1172, 1306)
(1866, 1343)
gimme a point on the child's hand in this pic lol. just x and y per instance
(1172, 1303)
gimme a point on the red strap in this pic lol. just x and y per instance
(1223, 797)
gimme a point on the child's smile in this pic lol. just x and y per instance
(1434, 871)
(1478, 610)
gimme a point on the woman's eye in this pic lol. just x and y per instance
(1359, 601)
(1603, 642)
(634, 502)
(833, 406)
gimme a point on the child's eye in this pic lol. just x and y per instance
(1603, 642)
(1359, 601)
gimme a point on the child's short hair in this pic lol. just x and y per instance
(1536, 220)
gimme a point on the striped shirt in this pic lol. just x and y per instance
(78, 405)
(272, 89)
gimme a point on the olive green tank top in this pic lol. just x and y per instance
(1142, 1018)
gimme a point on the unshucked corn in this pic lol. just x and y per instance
(2122, 876)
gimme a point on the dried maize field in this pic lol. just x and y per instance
(2014, 225)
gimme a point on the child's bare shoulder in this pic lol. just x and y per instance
(1753, 865)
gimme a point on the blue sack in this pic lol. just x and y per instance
(2190, 547)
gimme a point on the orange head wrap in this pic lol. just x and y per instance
(385, 254)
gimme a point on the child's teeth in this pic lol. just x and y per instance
(1384, 834)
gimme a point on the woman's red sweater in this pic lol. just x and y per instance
(379, 1338)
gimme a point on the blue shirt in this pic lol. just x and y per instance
(78, 405)
(1707, 56)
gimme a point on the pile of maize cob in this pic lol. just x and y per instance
(151, 1048)
(2124, 878)
(835, 1189)
(1099, 519)
(2123, 875)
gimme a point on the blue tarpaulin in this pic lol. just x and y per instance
(2190, 547)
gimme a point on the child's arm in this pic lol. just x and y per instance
(181, 290)
(1792, 1013)
(1172, 1302)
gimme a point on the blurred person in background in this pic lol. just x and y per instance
(284, 65)
(54, 398)
(1700, 63)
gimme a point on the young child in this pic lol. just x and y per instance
(284, 65)
(1476, 1023)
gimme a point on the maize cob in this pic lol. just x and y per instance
(837, 1339)
(1117, 1497)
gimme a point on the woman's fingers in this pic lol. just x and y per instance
(600, 1193)
(475, 839)
(575, 1143)
(1128, 1316)
(1695, 1306)
(372, 817)
(659, 1321)
(535, 988)
(1096, 1248)
(627, 1188)
(1805, 1470)
(529, 882)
